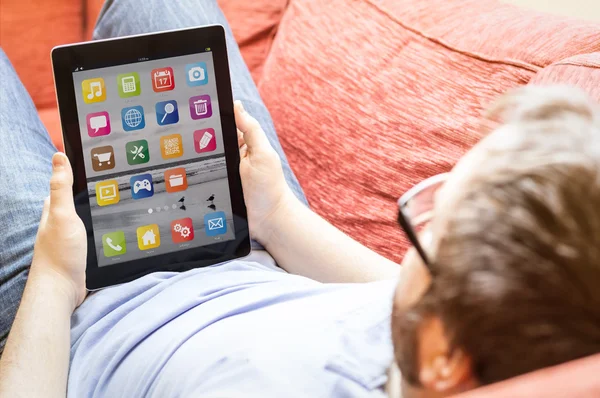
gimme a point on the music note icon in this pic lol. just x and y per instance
(93, 90)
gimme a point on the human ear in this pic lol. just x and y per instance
(442, 369)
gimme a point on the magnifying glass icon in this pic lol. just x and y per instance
(169, 108)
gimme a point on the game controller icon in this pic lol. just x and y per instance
(143, 184)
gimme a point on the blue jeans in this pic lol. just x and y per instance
(26, 149)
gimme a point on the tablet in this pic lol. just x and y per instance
(149, 129)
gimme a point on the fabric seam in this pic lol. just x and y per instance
(516, 63)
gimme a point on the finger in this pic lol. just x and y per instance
(254, 136)
(45, 211)
(61, 184)
(243, 151)
(241, 141)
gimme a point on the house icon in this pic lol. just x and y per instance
(149, 238)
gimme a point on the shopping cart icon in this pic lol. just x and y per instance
(103, 158)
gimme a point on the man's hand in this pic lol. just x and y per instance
(35, 362)
(61, 244)
(265, 190)
(287, 228)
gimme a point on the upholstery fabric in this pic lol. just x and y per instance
(582, 71)
(384, 93)
(254, 25)
(576, 379)
(28, 31)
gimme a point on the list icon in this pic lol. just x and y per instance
(103, 158)
(163, 79)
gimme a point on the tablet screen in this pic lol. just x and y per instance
(154, 157)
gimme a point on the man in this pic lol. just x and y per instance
(246, 328)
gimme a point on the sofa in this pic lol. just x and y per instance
(368, 97)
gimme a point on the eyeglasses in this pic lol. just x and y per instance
(416, 210)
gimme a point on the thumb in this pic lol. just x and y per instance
(61, 184)
(254, 136)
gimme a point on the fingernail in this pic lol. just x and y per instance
(59, 160)
(241, 106)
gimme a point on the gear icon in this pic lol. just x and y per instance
(185, 232)
(177, 228)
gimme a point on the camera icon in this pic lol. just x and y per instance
(196, 74)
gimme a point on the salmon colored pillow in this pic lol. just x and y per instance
(28, 31)
(581, 71)
(371, 96)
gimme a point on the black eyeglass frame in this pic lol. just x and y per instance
(404, 218)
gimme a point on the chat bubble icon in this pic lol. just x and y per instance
(98, 124)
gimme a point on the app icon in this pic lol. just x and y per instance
(137, 152)
(93, 90)
(182, 230)
(114, 244)
(197, 74)
(103, 158)
(200, 107)
(98, 124)
(133, 118)
(107, 192)
(167, 112)
(171, 146)
(163, 79)
(129, 84)
(204, 140)
(148, 237)
(141, 186)
(176, 180)
(215, 223)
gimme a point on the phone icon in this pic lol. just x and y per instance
(114, 244)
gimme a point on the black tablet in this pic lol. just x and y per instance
(149, 129)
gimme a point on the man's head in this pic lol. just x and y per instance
(514, 249)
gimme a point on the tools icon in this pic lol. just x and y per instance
(137, 152)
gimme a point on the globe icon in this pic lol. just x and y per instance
(133, 118)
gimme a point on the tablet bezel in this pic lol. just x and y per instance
(131, 50)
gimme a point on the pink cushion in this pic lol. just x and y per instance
(576, 379)
(371, 96)
(582, 71)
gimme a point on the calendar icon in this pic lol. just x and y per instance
(163, 79)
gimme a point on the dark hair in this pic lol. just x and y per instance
(517, 267)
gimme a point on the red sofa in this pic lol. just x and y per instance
(368, 96)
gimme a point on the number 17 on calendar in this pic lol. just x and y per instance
(162, 79)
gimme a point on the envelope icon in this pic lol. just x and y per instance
(215, 223)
